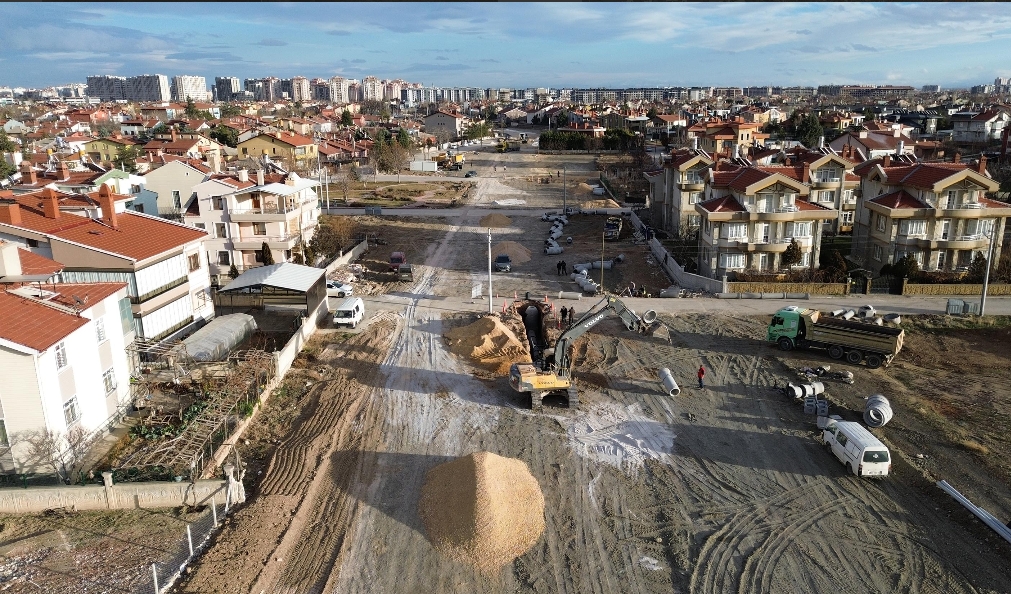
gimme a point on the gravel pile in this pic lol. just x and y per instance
(482, 509)
(516, 252)
(488, 343)
(496, 220)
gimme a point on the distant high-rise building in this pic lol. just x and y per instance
(300, 89)
(339, 90)
(189, 87)
(372, 89)
(107, 88)
(226, 87)
(930, 88)
(148, 87)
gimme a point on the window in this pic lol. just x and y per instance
(847, 196)
(877, 253)
(952, 198)
(220, 230)
(139, 208)
(71, 412)
(826, 196)
(846, 217)
(3, 434)
(805, 259)
(61, 356)
(259, 228)
(945, 228)
(827, 174)
(940, 259)
(732, 260)
(735, 231)
(912, 227)
(799, 229)
(881, 223)
(200, 226)
(177, 200)
(109, 380)
(217, 203)
(694, 197)
(693, 177)
(224, 259)
(32, 242)
(194, 260)
(100, 329)
(258, 256)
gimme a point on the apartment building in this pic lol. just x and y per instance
(148, 87)
(108, 88)
(189, 87)
(62, 348)
(935, 212)
(726, 137)
(241, 214)
(300, 89)
(677, 188)
(452, 123)
(869, 144)
(226, 88)
(832, 184)
(173, 183)
(293, 150)
(750, 216)
(984, 126)
(96, 239)
(372, 89)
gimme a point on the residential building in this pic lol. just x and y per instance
(61, 178)
(105, 150)
(293, 150)
(226, 88)
(935, 212)
(726, 137)
(676, 190)
(867, 144)
(930, 89)
(979, 127)
(62, 349)
(240, 215)
(300, 89)
(97, 239)
(148, 87)
(441, 121)
(750, 216)
(372, 89)
(108, 88)
(189, 87)
(173, 183)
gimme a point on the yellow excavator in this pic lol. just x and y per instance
(554, 374)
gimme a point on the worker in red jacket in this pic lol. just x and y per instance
(702, 375)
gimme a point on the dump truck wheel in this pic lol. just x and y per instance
(785, 344)
(854, 357)
(836, 352)
(874, 361)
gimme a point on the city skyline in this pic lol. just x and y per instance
(523, 45)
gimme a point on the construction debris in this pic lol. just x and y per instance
(482, 509)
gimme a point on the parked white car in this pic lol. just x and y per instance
(338, 289)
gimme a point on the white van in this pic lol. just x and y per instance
(859, 451)
(349, 312)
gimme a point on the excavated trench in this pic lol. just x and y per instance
(533, 318)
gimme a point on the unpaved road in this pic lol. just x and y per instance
(719, 490)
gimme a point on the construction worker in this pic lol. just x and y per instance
(563, 313)
(572, 314)
(702, 375)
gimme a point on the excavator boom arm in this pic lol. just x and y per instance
(563, 346)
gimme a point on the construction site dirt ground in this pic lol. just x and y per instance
(722, 489)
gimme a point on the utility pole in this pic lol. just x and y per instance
(491, 296)
(564, 212)
(986, 274)
(603, 235)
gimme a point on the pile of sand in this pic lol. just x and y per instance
(518, 253)
(488, 343)
(605, 203)
(482, 509)
(583, 188)
(496, 220)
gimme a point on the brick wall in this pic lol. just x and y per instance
(955, 289)
(813, 288)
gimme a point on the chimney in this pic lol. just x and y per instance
(958, 158)
(10, 212)
(821, 142)
(887, 161)
(108, 206)
(10, 260)
(981, 169)
(50, 204)
(175, 136)
(807, 174)
(900, 149)
(695, 143)
(28, 176)
(862, 134)
(897, 131)
(259, 177)
(215, 161)
(243, 175)
(64, 172)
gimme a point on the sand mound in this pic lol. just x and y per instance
(496, 220)
(482, 509)
(488, 343)
(583, 188)
(517, 252)
(605, 203)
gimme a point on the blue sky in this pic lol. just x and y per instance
(514, 45)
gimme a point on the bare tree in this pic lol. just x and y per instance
(344, 183)
(64, 453)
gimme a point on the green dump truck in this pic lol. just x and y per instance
(801, 328)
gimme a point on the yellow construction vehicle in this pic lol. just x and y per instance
(551, 370)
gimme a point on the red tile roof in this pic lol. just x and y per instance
(137, 236)
(89, 293)
(725, 204)
(899, 199)
(34, 325)
(805, 205)
(35, 265)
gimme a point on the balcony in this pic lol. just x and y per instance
(825, 184)
(266, 213)
(255, 242)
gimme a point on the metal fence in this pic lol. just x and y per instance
(191, 543)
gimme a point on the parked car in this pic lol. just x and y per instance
(338, 289)
(471, 173)
(349, 312)
(503, 263)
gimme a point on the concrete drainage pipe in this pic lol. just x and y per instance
(668, 382)
(878, 411)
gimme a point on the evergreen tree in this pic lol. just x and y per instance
(977, 269)
(266, 255)
(347, 119)
(809, 130)
(233, 271)
(792, 255)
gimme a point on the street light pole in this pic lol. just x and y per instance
(491, 303)
(986, 274)
(563, 190)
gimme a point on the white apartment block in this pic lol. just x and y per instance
(189, 87)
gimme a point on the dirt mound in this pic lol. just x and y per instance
(488, 343)
(496, 220)
(482, 509)
(583, 188)
(517, 252)
(604, 203)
